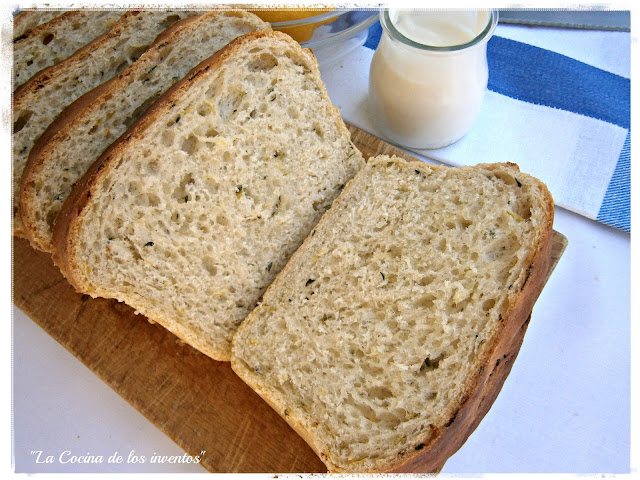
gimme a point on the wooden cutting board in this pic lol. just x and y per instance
(198, 402)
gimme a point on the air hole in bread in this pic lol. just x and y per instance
(133, 251)
(229, 104)
(137, 113)
(379, 393)
(51, 218)
(262, 63)
(210, 266)
(93, 129)
(165, 52)
(425, 301)
(47, 39)
(388, 419)
(147, 200)
(366, 411)
(431, 363)
(22, 120)
(190, 145)
(132, 189)
(170, 20)
(180, 193)
(152, 167)
(318, 130)
(168, 137)
(121, 66)
(211, 133)
(204, 109)
(488, 304)
(321, 205)
(137, 52)
(211, 185)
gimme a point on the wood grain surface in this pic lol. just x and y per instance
(198, 402)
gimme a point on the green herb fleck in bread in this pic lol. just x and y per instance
(189, 216)
(388, 334)
(39, 101)
(56, 40)
(89, 125)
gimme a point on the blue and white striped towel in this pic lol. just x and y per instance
(558, 105)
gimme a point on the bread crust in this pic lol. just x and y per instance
(65, 228)
(76, 112)
(484, 387)
(445, 438)
(24, 94)
(27, 20)
(44, 76)
(68, 220)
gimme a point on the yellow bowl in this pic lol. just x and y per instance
(300, 24)
(332, 33)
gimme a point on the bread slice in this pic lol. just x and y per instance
(39, 101)
(53, 41)
(86, 128)
(379, 339)
(27, 19)
(189, 216)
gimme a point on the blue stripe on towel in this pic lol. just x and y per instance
(543, 77)
(375, 32)
(616, 206)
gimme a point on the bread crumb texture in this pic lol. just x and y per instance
(106, 118)
(367, 340)
(49, 92)
(56, 39)
(198, 213)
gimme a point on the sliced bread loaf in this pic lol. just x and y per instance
(39, 101)
(86, 128)
(378, 341)
(53, 41)
(27, 19)
(192, 212)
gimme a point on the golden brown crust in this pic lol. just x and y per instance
(27, 20)
(47, 26)
(443, 440)
(487, 383)
(64, 226)
(489, 379)
(44, 76)
(59, 128)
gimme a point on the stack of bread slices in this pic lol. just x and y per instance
(191, 164)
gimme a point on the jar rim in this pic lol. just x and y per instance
(485, 34)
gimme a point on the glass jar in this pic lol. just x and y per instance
(429, 74)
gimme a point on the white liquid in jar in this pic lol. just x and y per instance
(424, 98)
(440, 28)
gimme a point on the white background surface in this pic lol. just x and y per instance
(565, 408)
